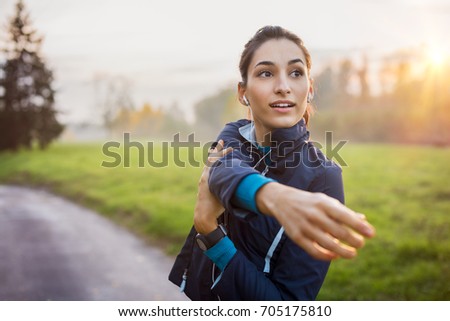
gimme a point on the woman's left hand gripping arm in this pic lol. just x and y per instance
(208, 208)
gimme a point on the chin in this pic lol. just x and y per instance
(284, 123)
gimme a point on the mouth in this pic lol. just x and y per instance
(282, 104)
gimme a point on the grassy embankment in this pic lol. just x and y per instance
(403, 190)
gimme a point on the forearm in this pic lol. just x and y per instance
(267, 196)
(204, 221)
(245, 194)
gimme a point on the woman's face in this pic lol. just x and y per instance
(277, 86)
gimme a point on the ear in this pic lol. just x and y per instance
(241, 93)
(311, 88)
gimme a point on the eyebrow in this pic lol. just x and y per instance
(270, 63)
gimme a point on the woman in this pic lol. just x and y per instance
(284, 219)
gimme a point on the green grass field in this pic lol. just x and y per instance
(403, 190)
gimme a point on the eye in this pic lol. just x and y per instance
(265, 74)
(297, 73)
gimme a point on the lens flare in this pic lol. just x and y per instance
(436, 57)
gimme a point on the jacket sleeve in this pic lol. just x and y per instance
(230, 170)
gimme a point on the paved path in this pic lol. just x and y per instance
(52, 249)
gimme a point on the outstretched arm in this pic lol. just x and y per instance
(320, 224)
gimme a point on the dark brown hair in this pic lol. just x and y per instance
(261, 36)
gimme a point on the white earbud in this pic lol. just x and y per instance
(309, 98)
(246, 102)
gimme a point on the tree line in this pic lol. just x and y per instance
(411, 104)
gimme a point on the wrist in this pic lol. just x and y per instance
(207, 241)
(267, 198)
(205, 228)
(204, 225)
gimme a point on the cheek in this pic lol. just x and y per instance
(302, 97)
(302, 89)
(260, 94)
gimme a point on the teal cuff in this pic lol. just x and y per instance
(222, 253)
(245, 194)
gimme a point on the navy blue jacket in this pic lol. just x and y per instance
(267, 265)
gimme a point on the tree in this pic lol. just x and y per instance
(113, 98)
(364, 95)
(343, 77)
(27, 97)
(325, 89)
(147, 121)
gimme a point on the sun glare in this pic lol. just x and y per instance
(436, 57)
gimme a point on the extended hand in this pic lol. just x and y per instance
(319, 224)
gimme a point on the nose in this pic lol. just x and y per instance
(282, 86)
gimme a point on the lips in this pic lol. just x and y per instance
(282, 104)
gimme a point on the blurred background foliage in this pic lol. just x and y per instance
(406, 101)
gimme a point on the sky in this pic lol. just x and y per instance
(177, 51)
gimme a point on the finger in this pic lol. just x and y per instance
(227, 151)
(212, 157)
(334, 246)
(214, 150)
(221, 153)
(309, 244)
(216, 146)
(338, 231)
(219, 145)
(330, 243)
(213, 145)
(317, 251)
(346, 216)
(362, 216)
(349, 237)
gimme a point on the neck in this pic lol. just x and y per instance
(263, 135)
